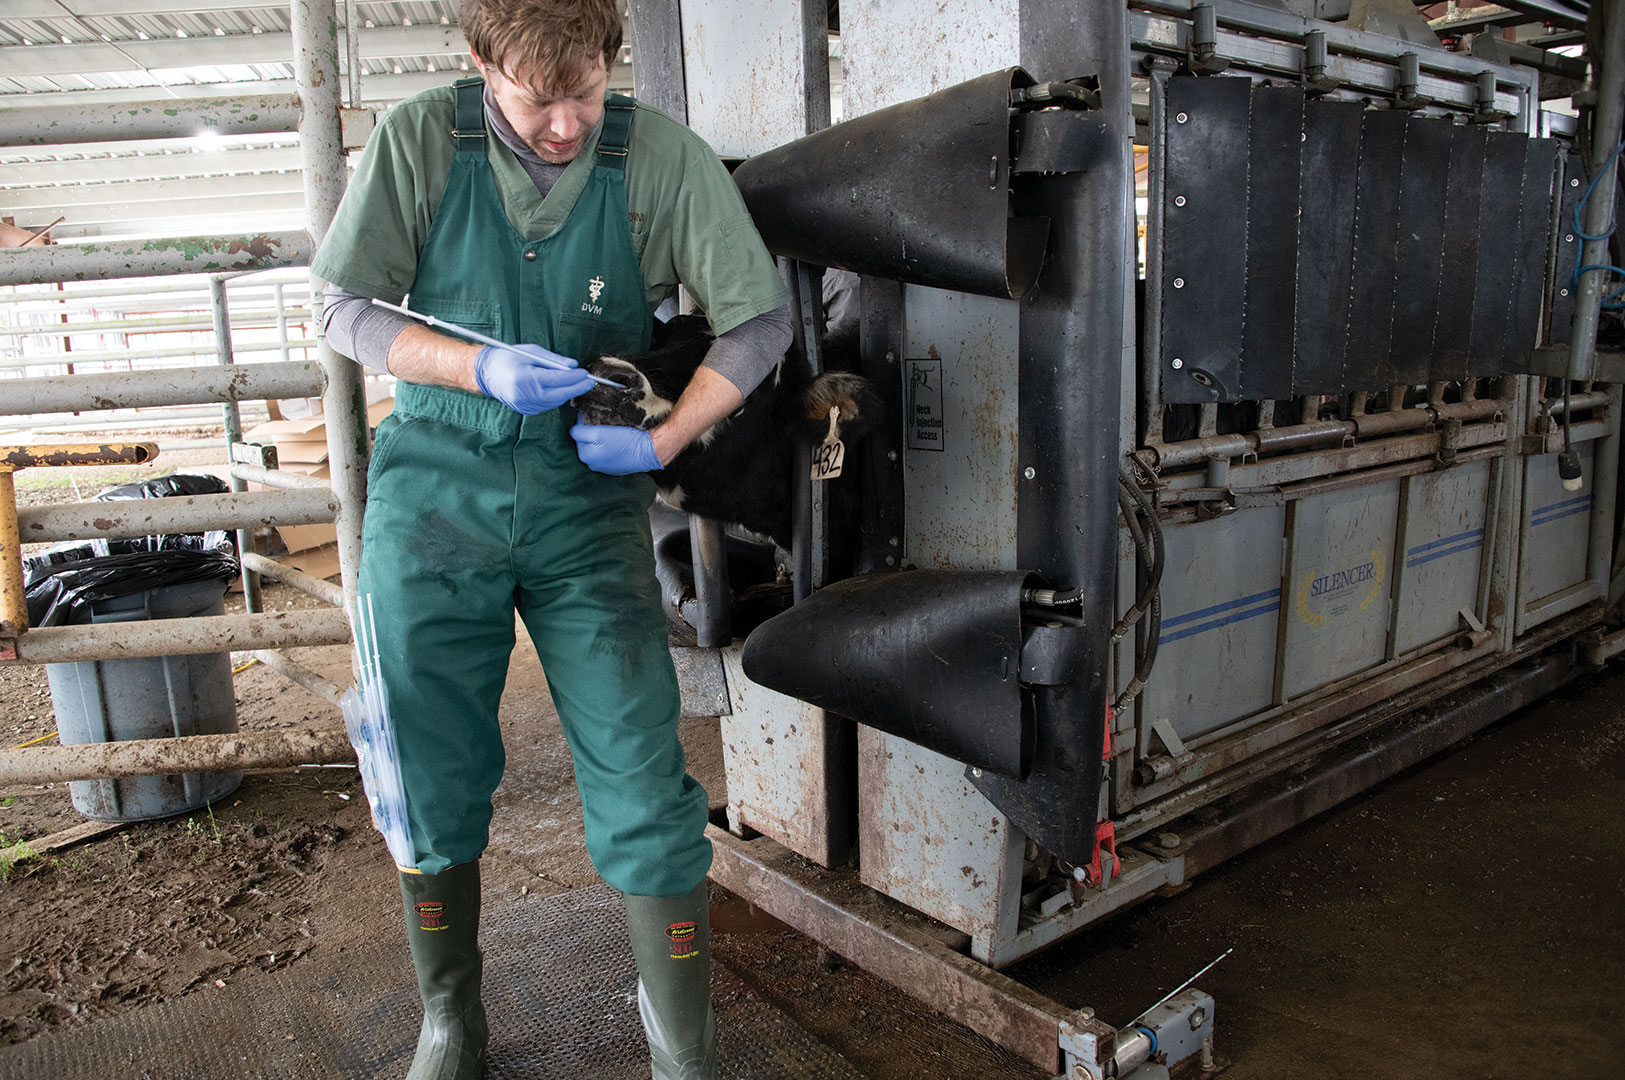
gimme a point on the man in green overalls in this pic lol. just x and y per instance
(538, 209)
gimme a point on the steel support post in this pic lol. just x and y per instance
(13, 603)
(1597, 221)
(167, 118)
(1072, 356)
(657, 42)
(218, 307)
(316, 72)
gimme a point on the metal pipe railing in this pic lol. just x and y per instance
(1597, 221)
(325, 745)
(158, 388)
(298, 579)
(182, 637)
(284, 665)
(194, 514)
(181, 322)
(315, 112)
(153, 258)
(136, 288)
(277, 478)
(178, 354)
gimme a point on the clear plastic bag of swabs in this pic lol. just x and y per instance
(372, 733)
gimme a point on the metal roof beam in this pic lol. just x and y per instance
(229, 50)
(147, 166)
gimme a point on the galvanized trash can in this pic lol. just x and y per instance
(150, 697)
(154, 697)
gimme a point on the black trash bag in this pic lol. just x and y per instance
(164, 487)
(63, 582)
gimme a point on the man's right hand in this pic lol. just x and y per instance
(522, 378)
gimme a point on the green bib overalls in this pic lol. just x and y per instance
(475, 511)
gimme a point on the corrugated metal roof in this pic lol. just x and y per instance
(103, 52)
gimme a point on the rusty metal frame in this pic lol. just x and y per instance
(921, 957)
(895, 944)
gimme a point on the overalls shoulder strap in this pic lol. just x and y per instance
(612, 142)
(470, 126)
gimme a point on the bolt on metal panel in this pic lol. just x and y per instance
(1443, 534)
(1221, 612)
(753, 81)
(959, 393)
(1338, 585)
(905, 49)
(777, 753)
(1557, 532)
(929, 839)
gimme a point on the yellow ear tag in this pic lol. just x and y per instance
(831, 453)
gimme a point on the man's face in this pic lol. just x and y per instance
(554, 120)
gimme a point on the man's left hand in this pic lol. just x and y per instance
(615, 451)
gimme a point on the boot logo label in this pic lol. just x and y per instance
(431, 915)
(682, 940)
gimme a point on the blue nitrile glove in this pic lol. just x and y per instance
(525, 381)
(615, 451)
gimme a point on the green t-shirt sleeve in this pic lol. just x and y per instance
(697, 231)
(372, 247)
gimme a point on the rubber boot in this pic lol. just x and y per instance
(442, 926)
(671, 939)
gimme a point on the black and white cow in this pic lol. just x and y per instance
(741, 470)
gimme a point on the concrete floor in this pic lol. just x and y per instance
(1463, 920)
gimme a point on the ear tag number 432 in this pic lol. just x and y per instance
(831, 453)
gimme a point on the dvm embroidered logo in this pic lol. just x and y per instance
(682, 940)
(431, 915)
(595, 286)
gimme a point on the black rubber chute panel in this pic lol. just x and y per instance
(1458, 264)
(1568, 251)
(1275, 149)
(1204, 262)
(1423, 189)
(1537, 206)
(1369, 362)
(917, 192)
(1498, 246)
(931, 656)
(1331, 142)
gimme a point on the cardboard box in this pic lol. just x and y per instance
(322, 562)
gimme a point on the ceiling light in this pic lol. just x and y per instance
(66, 40)
(179, 32)
(406, 21)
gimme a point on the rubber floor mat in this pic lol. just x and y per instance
(560, 992)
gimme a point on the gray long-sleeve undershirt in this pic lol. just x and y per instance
(359, 329)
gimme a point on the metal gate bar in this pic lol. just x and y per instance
(315, 112)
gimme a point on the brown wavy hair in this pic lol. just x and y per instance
(554, 38)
